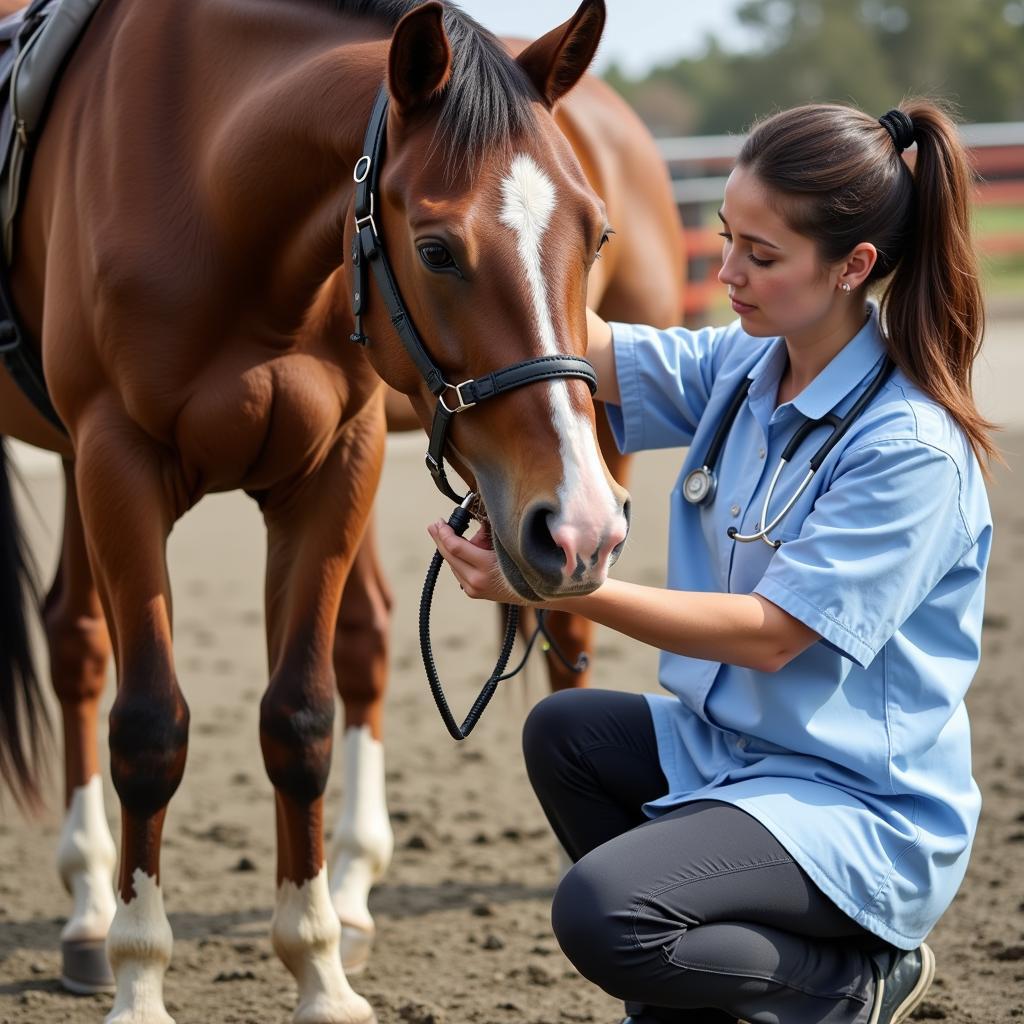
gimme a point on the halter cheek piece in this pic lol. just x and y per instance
(368, 248)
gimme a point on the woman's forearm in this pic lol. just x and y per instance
(739, 629)
(601, 352)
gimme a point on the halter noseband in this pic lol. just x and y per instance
(368, 247)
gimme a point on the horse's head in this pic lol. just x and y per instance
(491, 228)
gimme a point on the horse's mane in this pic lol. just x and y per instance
(487, 102)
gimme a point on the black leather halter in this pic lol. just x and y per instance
(368, 248)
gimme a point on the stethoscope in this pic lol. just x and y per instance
(700, 484)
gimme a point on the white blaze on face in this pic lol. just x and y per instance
(528, 202)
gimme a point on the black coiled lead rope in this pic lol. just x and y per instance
(459, 521)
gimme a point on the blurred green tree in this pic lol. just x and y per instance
(868, 52)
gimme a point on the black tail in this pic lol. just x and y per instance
(24, 722)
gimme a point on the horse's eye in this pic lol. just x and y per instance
(604, 241)
(436, 256)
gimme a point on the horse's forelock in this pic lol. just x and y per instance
(488, 100)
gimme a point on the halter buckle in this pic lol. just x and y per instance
(361, 222)
(463, 404)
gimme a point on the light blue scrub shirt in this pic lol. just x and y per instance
(856, 755)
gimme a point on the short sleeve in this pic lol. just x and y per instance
(875, 545)
(665, 378)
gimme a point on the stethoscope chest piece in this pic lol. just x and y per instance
(699, 486)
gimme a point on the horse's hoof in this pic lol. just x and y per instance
(356, 943)
(154, 1014)
(359, 1012)
(85, 969)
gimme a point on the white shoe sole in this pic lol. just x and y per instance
(917, 993)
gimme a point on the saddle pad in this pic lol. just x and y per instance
(41, 38)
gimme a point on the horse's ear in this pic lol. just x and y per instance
(558, 60)
(420, 59)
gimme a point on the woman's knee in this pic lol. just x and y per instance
(549, 726)
(590, 916)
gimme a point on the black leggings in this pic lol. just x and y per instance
(697, 915)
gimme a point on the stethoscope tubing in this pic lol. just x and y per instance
(700, 485)
(762, 534)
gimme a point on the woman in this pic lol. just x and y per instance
(774, 841)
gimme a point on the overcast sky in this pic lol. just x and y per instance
(639, 33)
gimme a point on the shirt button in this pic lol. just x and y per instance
(761, 453)
(735, 510)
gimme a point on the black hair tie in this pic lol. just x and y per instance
(900, 129)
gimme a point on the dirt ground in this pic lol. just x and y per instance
(463, 928)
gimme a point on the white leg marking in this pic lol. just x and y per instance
(305, 934)
(139, 949)
(586, 499)
(362, 845)
(86, 856)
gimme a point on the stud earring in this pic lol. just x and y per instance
(845, 286)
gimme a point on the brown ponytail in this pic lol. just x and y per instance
(841, 181)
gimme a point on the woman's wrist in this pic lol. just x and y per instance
(601, 353)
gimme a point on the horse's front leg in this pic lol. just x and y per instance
(123, 484)
(362, 841)
(79, 648)
(313, 532)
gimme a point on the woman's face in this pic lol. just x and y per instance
(776, 279)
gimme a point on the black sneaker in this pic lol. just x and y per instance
(903, 987)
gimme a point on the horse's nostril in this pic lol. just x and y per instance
(539, 546)
(617, 550)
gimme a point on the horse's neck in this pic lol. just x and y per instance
(278, 171)
(294, 149)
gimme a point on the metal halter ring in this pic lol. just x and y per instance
(360, 176)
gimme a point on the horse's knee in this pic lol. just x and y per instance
(79, 648)
(296, 727)
(148, 744)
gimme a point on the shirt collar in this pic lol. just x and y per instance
(849, 366)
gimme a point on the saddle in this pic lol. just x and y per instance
(40, 39)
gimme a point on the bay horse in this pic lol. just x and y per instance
(639, 279)
(184, 255)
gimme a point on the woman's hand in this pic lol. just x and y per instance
(474, 564)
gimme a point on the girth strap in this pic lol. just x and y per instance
(21, 359)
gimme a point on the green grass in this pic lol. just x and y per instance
(1003, 219)
(1002, 275)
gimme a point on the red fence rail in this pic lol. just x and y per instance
(700, 165)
